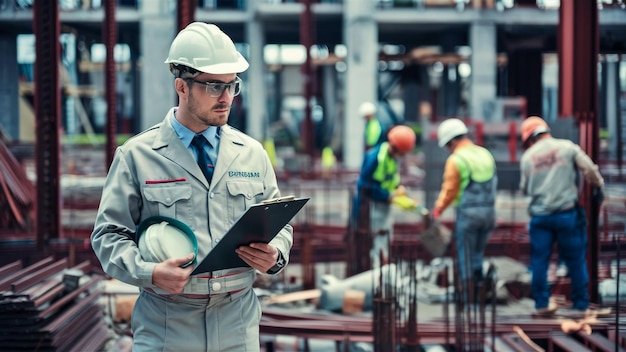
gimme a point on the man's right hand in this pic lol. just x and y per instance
(598, 195)
(169, 276)
(436, 213)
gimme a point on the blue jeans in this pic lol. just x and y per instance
(471, 232)
(569, 230)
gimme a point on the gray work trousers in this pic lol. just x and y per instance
(225, 322)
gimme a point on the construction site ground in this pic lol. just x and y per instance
(321, 227)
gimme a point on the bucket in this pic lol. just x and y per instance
(436, 238)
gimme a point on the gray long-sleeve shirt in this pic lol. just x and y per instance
(549, 174)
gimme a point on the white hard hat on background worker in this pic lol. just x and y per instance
(367, 109)
(450, 129)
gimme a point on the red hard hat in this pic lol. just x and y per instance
(401, 138)
(533, 126)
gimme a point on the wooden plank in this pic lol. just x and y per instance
(294, 296)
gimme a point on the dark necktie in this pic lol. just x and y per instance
(205, 163)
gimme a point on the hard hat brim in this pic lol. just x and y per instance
(239, 66)
(225, 68)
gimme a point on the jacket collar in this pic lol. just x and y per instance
(170, 146)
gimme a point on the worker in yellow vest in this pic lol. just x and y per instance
(470, 185)
(378, 186)
(373, 128)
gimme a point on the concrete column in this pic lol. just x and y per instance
(483, 79)
(361, 38)
(257, 114)
(610, 102)
(331, 116)
(157, 30)
(9, 90)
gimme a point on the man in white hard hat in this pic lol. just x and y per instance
(373, 128)
(470, 185)
(194, 168)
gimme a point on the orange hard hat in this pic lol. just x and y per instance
(401, 138)
(533, 126)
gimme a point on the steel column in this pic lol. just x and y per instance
(307, 39)
(578, 98)
(109, 38)
(186, 13)
(46, 27)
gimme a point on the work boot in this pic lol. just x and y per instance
(545, 312)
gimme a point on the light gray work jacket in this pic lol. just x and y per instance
(154, 174)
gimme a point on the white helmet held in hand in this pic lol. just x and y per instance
(449, 129)
(202, 47)
(160, 238)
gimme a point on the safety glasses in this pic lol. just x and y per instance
(216, 89)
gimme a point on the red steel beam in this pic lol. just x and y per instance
(578, 98)
(186, 13)
(109, 37)
(46, 27)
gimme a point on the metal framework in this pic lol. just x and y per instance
(48, 114)
(578, 99)
(109, 37)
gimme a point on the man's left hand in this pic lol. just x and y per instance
(260, 256)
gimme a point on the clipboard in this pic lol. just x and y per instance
(260, 223)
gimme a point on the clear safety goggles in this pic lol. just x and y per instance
(216, 89)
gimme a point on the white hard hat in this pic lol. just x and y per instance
(204, 47)
(449, 129)
(367, 108)
(161, 238)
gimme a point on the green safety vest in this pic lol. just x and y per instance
(387, 169)
(475, 164)
(373, 131)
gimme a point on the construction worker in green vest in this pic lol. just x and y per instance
(373, 129)
(470, 185)
(378, 187)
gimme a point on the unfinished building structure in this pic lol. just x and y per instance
(80, 74)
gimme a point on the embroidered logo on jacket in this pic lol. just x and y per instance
(244, 174)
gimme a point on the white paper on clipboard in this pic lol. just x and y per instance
(260, 223)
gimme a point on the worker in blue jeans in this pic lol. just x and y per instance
(469, 185)
(569, 230)
(550, 171)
